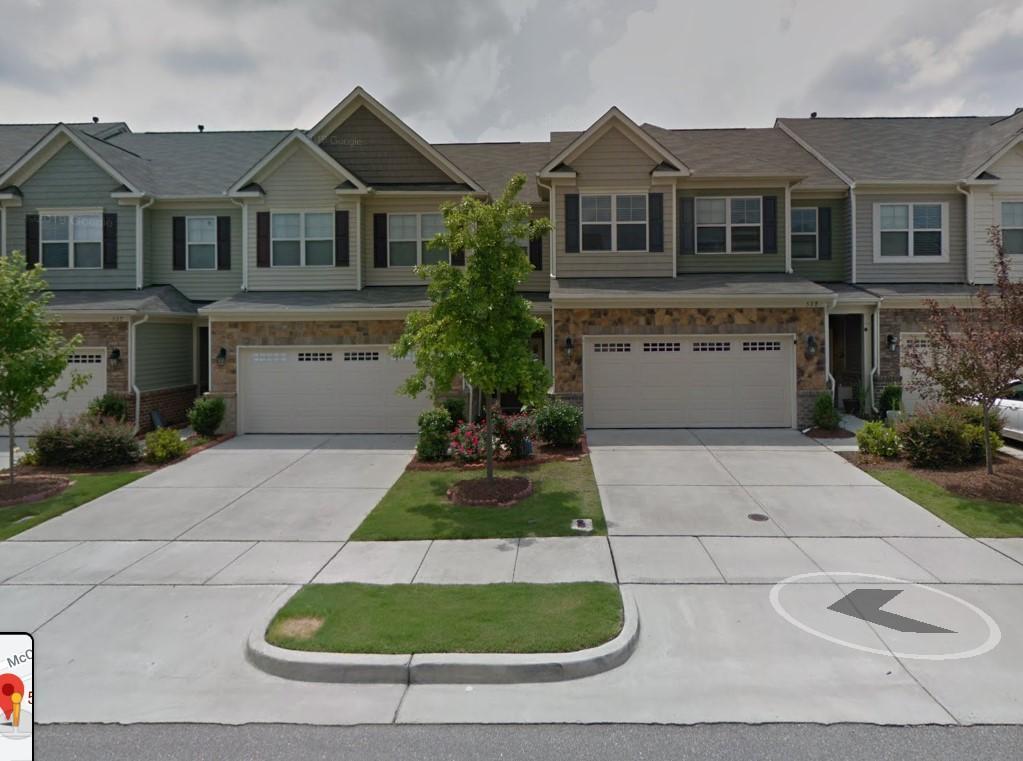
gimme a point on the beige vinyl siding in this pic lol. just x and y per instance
(71, 180)
(540, 280)
(830, 270)
(383, 205)
(951, 271)
(701, 263)
(986, 212)
(164, 355)
(300, 182)
(613, 160)
(199, 285)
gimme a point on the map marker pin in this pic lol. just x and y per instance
(9, 684)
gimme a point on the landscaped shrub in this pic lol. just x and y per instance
(468, 442)
(947, 435)
(164, 445)
(974, 436)
(85, 443)
(516, 433)
(455, 405)
(973, 414)
(434, 434)
(559, 423)
(878, 439)
(206, 415)
(890, 398)
(109, 406)
(824, 413)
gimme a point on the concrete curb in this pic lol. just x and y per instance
(444, 668)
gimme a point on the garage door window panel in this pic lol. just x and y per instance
(729, 225)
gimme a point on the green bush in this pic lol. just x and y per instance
(434, 434)
(877, 439)
(947, 436)
(890, 398)
(455, 405)
(974, 437)
(206, 415)
(86, 443)
(973, 414)
(824, 413)
(164, 445)
(516, 433)
(559, 423)
(109, 406)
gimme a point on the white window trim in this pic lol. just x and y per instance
(728, 225)
(999, 200)
(418, 239)
(878, 259)
(301, 239)
(614, 222)
(816, 233)
(70, 213)
(189, 244)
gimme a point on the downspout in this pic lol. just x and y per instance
(132, 366)
(140, 240)
(245, 241)
(852, 229)
(876, 365)
(358, 243)
(788, 233)
(970, 232)
(554, 346)
(552, 203)
(3, 229)
(828, 377)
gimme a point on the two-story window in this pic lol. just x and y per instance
(729, 225)
(909, 231)
(804, 232)
(201, 243)
(614, 222)
(1012, 226)
(72, 240)
(302, 239)
(408, 236)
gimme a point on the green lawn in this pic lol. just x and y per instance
(974, 517)
(84, 489)
(417, 507)
(422, 618)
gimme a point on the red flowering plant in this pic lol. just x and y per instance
(515, 432)
(468, 443)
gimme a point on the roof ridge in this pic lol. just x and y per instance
(216, 132)
(889, 118)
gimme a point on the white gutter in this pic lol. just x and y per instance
(876, 365)
(970, 232)
(852, 229)
(829, 378)
(552, 205)
(3, 230)
(139, 240)
(674, 235)
(358, 243)
(554, 349)
(245, 242)
(132, 365)
(788, 231)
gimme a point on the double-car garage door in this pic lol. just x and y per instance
(325, 389)
(689, 381)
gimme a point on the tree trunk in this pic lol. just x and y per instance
(10, 453)
(490, 436)
(988, 455)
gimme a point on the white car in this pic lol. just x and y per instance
(1011, 409)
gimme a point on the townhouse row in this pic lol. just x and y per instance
(719, 277)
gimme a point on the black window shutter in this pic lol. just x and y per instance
(458, 258)
(263, 239)
(379, 240)
(178, 243)
(824, 232)
(686, 225)
(770, 224)
(110, 242)
(572, 223)
(31, 240)
(536, 253)
(341, 242)
(223, 243)
(655, 202)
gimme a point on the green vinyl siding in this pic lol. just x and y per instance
(71, 180)
(702, 263)
(829, 270)
(198, 285)
(164, 355)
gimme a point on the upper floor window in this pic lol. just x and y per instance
(1012, 226)
(910, 230)
(613, 222)
(408, 236)
(804, 233)
(729, 225)
(201, 243)
(302, 239)
(71, 241)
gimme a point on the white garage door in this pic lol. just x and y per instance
(689, 381)
(90, 362)
(911, 397)
(325, 389)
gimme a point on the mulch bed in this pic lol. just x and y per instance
(501, 492)
(1006, 485)
(824, 433)
(31, 489)
(542, 453)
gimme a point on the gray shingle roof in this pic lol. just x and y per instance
(695, 286)
(374, 297)
(17, 139)
(155, 300)
(493, 164)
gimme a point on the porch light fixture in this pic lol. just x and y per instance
(569, 345)
(115, 357)
(892, 342)
(811, 345)
(222, 356)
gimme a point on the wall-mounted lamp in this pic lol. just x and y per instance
(892, 342)
(811, 345)
(569, 345)
(222, 356)
(115, 357)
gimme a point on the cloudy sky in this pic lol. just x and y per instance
(505, 69)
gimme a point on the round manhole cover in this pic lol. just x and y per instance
(757, 517)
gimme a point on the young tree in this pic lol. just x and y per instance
(974, 354)
(478, 326)
(33, 351)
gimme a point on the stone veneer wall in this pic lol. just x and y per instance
(111, 335)
(895, 322)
